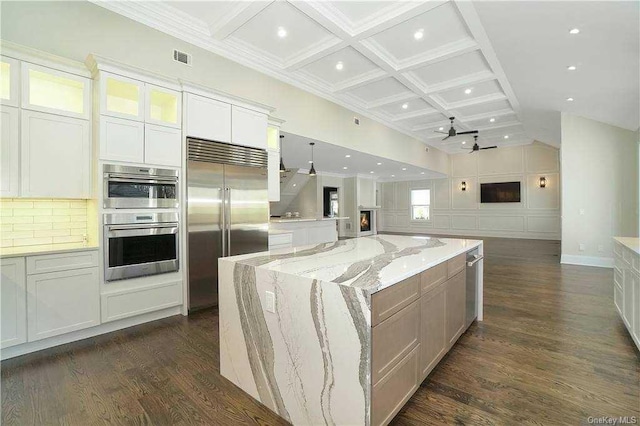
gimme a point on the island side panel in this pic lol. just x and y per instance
(309, 360)
(480, 287)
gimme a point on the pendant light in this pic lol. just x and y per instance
(282, 167)
(312, 171)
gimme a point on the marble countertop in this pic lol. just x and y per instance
(632, 243)
(44, 249)
(305, 219)
(369, 263)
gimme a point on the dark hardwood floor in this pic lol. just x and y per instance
(552, 350)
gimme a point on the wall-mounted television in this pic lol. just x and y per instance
(500, 192)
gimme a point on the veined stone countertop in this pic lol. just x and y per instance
(632, 243)
(368, 263)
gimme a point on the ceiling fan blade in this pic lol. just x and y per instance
(472, 151)
(438, 131)
(446, 138)
(489, 147)
(469, 132)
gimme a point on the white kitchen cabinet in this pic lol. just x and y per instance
(56, 92)
(13, 316)
(162, 145)
(10, 154)
(9, 81)
(122, 97)
(208, 119)
(248, 127)
(164, 106)
(121, 139)
(628, 290)
(273, 175)
(62, 302)
(626, 284)
(56, 156)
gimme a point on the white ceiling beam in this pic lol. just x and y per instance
(239, 15)
(493, 97)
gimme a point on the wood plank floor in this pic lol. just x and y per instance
(552, 350)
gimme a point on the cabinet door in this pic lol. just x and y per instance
(48, 90)
(636, 307)
(121, 140)
(9, 81)
(208, 118)
(13, 294)
(10, 154)
(62, 302)
(164, 106)
(56, 156)
(455, 306)
(121, 97)
(433, 339)
(162, 145)
(274, 175)
(628, 297)
(248, 128)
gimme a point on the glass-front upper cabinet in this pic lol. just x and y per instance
(48, 90)
(9, 81)
(121, 97)
(164, 106)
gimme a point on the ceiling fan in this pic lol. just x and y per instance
(452, 131)
(476, 147)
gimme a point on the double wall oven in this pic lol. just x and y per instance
(140, 236)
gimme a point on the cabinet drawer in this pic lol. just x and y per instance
(433, 276)
(456, 264)
(393, 390)
(129, 303)
(390, 300)
(61, 262)
(393, 339)
(280, 240)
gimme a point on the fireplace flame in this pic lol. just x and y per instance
(364, 222)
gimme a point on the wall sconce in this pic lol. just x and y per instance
(542, 182)
(463, 186)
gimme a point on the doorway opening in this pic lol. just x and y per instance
(330, 203)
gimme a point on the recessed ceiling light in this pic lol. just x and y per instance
(468, 91)
(491, 120)
(405, 106)
(404, 168)
(347, 156)
(418, 34)
(282, 33)
(441, 128)
(310, 161)
(379, 164)
(574, 31)
(569, 99)
(295, 184)
(421, 173)
(371, 171)
(506, 136)
(393, 175)
(464, 142)
(571, 68)
(339, 66)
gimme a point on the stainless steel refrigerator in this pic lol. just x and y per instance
(227, 209)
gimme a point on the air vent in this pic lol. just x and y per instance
(356, 120)
(182, 57)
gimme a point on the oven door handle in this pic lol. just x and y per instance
(127, 179)
(137, 230)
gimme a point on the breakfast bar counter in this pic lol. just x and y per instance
(343, 332)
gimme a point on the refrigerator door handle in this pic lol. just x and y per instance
(228, 225)
(224, 223)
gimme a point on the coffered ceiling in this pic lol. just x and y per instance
(409, 65)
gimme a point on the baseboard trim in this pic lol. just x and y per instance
(108, 327)
(600, 262)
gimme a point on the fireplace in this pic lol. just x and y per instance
(365, 221)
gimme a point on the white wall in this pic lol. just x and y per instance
(306, 202)
(75, 29)
(600, 189)
(458, 212)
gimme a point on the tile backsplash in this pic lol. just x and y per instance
(28, 222)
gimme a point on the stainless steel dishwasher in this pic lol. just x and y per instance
(472, 285)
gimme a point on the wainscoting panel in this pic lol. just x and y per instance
(441, 194)
(542, 159)
(543, 224)
(461, 222)
(441, 221)
(464, 165)
(502, 223)
(467, 199)
(501, 161)
(547, 198)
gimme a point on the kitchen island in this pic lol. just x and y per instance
(306, 231)
(343, 332)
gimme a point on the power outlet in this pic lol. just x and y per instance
(270, 301)
(581, 247)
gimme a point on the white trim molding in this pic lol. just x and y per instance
(599, 262)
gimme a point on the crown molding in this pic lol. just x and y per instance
(35, 56)
(97, 64)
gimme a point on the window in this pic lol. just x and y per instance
(420, 200)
